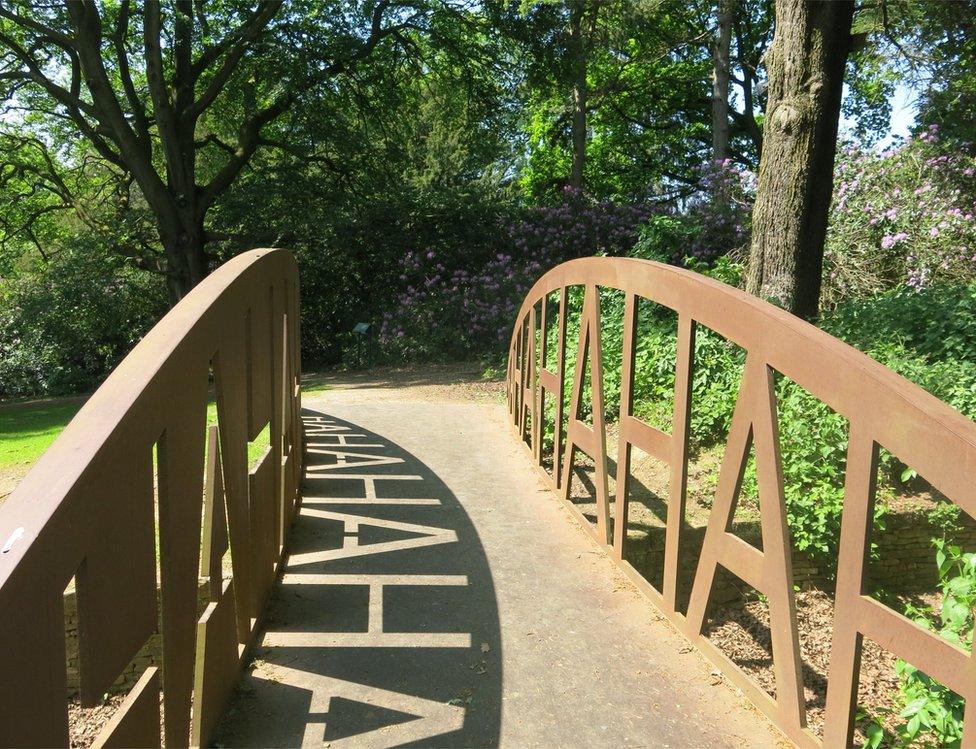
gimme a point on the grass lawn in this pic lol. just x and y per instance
(27, 429)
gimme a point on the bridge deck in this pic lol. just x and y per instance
(439, 595)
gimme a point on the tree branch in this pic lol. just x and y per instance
(135, 103)
(244, 35)
(247, 143)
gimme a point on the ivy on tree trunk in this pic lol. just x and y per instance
(806, 75)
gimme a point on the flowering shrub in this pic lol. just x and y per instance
(715, 222)
(451, 311)
(906, 216)
(721, 210)
(452, 305)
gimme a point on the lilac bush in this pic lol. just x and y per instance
(715, 220)
(720, 210)
(902, 217)
(450, 304)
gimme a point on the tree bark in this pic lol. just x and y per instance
(720, 82)
(183, 241)
(805, 65)
(579, 95)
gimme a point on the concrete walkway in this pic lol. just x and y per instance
(438, 595)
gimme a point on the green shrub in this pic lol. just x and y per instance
(929, 713)
(65, 324)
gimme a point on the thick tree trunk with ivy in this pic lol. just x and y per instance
(806, 74)
(720, 82)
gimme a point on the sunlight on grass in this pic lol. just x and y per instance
(313, 385)
(28, 429)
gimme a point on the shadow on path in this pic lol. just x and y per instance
(384, 629)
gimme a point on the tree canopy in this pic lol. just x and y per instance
(394, 144)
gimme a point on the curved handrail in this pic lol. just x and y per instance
(118, 504)
(883, 409)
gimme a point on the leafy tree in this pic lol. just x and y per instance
(752, 33)
(410, 153)
(139, 81)
(936, 42)
(638, 120)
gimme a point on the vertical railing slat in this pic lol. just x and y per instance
(678, 464)
(626, 410)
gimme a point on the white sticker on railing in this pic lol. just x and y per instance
(14, 538)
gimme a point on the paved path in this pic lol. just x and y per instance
(438, 595)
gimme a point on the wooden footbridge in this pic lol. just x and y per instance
(393, 572)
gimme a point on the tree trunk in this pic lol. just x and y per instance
(720, 82)
(578, 56)
(806, 75)
(186, 260)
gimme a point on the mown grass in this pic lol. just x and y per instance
(27, 429)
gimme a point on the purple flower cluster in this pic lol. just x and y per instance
(906, 215)
(452, 303)
(578, 226)
(720, 210)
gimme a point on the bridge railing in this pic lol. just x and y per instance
(883, 409)
(138, 505)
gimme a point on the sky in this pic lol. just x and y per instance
(903, 112)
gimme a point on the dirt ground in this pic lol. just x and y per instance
(433, 382)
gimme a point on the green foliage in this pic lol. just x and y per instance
(662, 237)
(64, 324)
(929, 713)
(938, 322)
(647, 81)
(942, 62)
(871, 84)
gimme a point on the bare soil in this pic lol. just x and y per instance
(435, 382)
(84, 723)
(743, 634)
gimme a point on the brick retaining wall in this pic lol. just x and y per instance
(905, 563)
(150, 655)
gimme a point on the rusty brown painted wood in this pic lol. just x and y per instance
(126, 554)
(230, 387)
(86, 509)
(135, 724)
(214, 535)
(883, 409)
(678, 459)
(263, 531)
(217, 665)
(579, 436)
